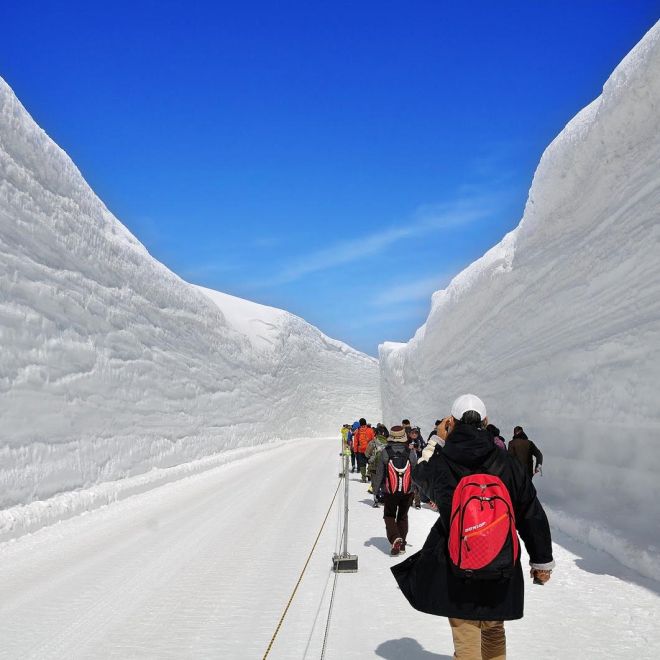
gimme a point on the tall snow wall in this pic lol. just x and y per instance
(111, 365)
(557, 328)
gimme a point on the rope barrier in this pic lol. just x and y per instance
(295, 589)
(327, 623)
(338, 541)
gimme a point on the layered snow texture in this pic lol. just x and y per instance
(557, 328)
(112, 366)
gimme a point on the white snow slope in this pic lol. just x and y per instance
(111, 365)
(557, 328)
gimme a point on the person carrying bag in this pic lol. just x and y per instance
(469, 568)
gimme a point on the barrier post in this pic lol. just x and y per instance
(345, 562)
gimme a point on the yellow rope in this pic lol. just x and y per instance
(286, 609)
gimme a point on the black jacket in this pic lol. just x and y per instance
(426, 578)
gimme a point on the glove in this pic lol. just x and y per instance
(540, 576)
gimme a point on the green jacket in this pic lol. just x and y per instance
(373, 450)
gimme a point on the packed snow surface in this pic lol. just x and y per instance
(112, 366)
(557, 328)
(204, 567)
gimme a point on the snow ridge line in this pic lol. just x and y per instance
(16, 521)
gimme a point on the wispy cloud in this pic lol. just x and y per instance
(419, 289)
(392, 315)
(209, 269)
(426, 220)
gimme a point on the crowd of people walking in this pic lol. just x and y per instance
(469, 569)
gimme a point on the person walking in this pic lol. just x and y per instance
(498, 440)
(525, 451)
(351, 432)
(394, 472)
(345, 430)
(416, 443)
(361, 439)
(372, 455)
(470, 571)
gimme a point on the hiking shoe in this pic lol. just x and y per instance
(375, 504)
(418, 505)
(396, 547)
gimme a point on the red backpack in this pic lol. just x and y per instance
(483, 542)
(398, 478)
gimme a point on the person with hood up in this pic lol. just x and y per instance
(394, 474)
(525, 451)
(476, 602)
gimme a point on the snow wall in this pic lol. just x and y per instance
(557, 327)
(112, 366)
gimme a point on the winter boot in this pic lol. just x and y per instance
(396, 547)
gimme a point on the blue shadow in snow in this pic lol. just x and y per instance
(600, 563)
(407, 648)
(379, 542)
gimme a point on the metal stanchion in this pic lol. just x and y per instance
(344, 562)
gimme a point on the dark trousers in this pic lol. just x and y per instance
(395, 514)
(352, 459)
(361, 460)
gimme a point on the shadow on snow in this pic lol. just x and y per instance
(407, 648)
(600, 563)
(379, 542)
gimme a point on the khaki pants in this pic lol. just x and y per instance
(478, 640)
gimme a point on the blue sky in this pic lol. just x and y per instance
(341, 160)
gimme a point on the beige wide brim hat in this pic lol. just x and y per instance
(398, 434)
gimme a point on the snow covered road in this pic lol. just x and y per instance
(203, 568)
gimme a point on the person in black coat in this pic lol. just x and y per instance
(522, 448)
(476, 608)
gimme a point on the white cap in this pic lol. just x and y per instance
(467, 402)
